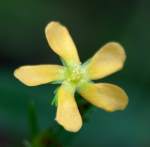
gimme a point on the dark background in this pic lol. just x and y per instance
(92, 24)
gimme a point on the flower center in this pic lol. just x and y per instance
(74, 74)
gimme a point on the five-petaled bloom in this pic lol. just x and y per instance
(75, 76)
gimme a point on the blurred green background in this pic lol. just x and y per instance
(92, 24)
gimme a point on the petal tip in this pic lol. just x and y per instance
(16, 72)
(50, 25)
(74, 129)
(122, 106)
(120, 47)
(19, 74)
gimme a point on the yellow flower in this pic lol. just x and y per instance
(75, 76)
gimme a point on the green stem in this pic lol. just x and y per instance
(33, 121)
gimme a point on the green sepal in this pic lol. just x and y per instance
(86, 62)
(54, 101)
(57, 82)
(63, 62)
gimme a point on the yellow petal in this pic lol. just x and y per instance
(109, 59)
(38, 74)
(106, 96)
(67, 111)
(61, 42)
